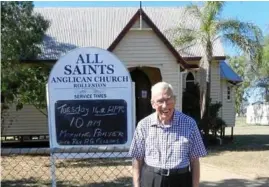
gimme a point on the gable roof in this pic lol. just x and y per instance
(148, 21)
(100, 26)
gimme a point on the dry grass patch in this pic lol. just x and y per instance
(36, 171)
(248, 154)
(252, 164)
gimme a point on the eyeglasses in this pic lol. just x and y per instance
(168, 101)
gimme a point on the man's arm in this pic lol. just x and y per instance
(195, 168)
(197, 150)
(137, 168)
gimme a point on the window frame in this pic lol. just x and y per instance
(228, 93)
(189, 80)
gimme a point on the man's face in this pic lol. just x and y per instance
(164, 103)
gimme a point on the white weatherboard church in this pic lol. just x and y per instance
(139, 38)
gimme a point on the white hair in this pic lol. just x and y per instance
(161, 86)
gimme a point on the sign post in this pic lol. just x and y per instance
(90, 101)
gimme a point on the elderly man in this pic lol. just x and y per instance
(167, 145)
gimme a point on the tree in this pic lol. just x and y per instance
(263, 69)
(208, 29)
(238, 64)
(255, 77)
(22, 32)
(264, 66)
(259, 73)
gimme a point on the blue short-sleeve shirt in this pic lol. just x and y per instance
(167, 146)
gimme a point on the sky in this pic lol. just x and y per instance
(256, 12)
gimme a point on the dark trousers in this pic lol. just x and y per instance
(151, 179)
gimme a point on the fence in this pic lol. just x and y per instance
(72, 168)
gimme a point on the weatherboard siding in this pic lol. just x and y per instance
(228, 106)
(215, 82)
(27, 121)
(137, 24)
(144, 48)
(219, 93)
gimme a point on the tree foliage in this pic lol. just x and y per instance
(22, 32)
(238, 64)
(263, 70)
(257, 76)
(208, 28)
(264, 67)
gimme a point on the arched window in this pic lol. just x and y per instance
(189, 80)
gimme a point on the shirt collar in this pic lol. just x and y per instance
(155, 121)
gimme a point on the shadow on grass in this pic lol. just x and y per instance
(259, 182)
(120, 182)
(88, 162)
(127, 182)
(24, 182)
(252, 142)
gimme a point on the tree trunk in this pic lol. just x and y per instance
(206, 104)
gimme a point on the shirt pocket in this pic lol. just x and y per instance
(181, 147)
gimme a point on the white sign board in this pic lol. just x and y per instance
(90, 100)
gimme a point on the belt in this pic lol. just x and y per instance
(167, 172)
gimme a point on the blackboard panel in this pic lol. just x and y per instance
(91, 122)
